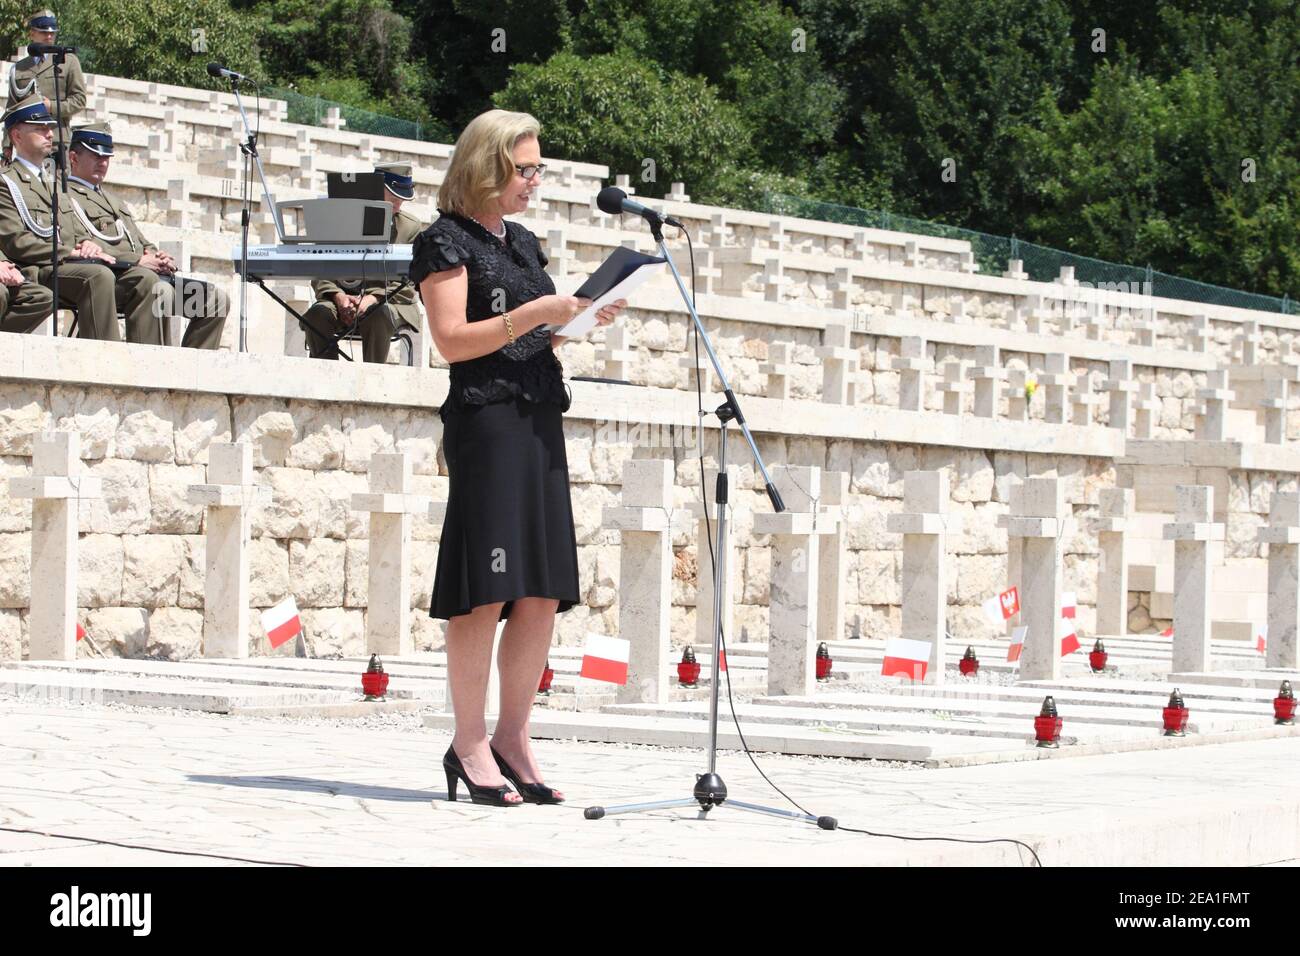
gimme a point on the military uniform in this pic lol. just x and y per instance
(378, 326)
(34, 75)
(23, 307)
(26, 210)
(103, 219)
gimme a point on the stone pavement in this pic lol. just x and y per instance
(326, 792)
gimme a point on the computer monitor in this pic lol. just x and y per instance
(355, 186)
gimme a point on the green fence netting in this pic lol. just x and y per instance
(312, 110)
(1041, 263)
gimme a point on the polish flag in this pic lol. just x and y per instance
(1002, 607)
(1261, 639)
(1017, 644)
(906, 658)
(1168, 632)
(1065, 627)
(81, 631)
(722, 661)
(605, 658)
(281, 622)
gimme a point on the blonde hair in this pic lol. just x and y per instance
(483, 162)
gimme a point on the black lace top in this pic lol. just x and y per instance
(502, 277)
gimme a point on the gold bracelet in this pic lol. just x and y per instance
(510, 329)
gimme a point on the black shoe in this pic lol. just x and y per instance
(531, 792)
(492, 796)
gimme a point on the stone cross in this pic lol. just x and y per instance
(1066, 277)
(1275, 404)
(1039, 519)
(1094, 322)
(902, 304)
(391, 504)
(956, 310)
(839, 363)
(691, 363)
(1116, 506)
(230, 495)
(1055, 381)
(1248, 338)
(774, 279)
(1198, 338)
(911, 254)
(1015, 270)
(704, 563)
(1146, 411)
(1036, 314)
(645, 587)
(1121, 387)
(953, 386)
(616, 356)
(925, 526)
(778, 368)
(1192, 530)
(1211, 423)
(841, 288)
(986, 374)
(911, 365)
(1282, 534)
(832, 559)
(792, 610)
(56, 487)
(707, 271)
(558, 253)
(1017, 401)
(1082, 402)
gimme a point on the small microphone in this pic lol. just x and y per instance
(614, 201)
(220, 72)
(49, 49)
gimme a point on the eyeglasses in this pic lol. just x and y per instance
(528, 172)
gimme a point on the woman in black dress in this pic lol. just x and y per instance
(508, 549)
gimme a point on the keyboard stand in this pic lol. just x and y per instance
(302, 320)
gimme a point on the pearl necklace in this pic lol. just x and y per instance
(500, 235)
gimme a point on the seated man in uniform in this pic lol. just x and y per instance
(24, 303)
(26, 209)
(339, 303)
(99, 216)
(35, 74)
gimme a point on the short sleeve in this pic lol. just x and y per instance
(435, 251)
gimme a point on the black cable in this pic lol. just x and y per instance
(151, 849)
(722, 635)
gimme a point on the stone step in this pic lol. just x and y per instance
(1265, 678)
(157, 691)
(1217, 691)
(1225, 608)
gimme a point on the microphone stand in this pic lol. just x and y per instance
(710, 791)
(58, 189)
(249, 149)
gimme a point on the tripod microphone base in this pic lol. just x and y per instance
(710, 791)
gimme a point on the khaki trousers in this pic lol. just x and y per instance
(23, 307)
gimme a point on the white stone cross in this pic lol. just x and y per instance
(1276, 403)
(841, 288)
(1039, 520)
(986, 373)
(391, 504)
(615, 355)
(1192, 530)
(1017, 400)
(1282, 534)
(56, 487)
(778, 368)
(839, 363)
(832, 558)
(1248, 339)
(1198, 337)
(645, 594)
(1015, 270)
(1146, 411)
(1056, 381)
(229, 495)
(911, 364)
(1082, 402)
(953, 386)
(1116, 507)
(925, 525)
(1121, 388)
(1211, 422)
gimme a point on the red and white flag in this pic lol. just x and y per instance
(281, 622)
(906, 658)
(722, 661)
(1261, 639)
(81, 631)
(1017, 644)
(605, 658)
(1065, 628)
(1002, 607)
(1168, 632)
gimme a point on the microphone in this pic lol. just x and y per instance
(49, 49)
(614, 201)
(219, 71)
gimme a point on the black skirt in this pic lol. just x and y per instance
(508, 532)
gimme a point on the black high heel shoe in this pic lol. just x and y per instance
(531, 792)
(491, 796)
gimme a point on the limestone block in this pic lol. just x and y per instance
(175, 634)
(318, 436)
(144, 432)
(1181, 385)
(170, 508)
(1080, 576)
(978, 576)
(122, 630)
(15, 569)
(1139, 620)
(11, 642)
(151, 572)
(337, 518)
(866, 524)
(884, 385)
(356, 573)
(90, 412)
(424, 564)
(15, 513)
(125, 507)
(193, 573)
(604, 585)
(971, 474)
(1262, 486)
(428, 635)
(333, 632)
(758, 576)
(980, 532)
(23, 413)
(878, 577)
(578, 437)
(1239, 496)
(295, 508)
(1241, 535)
(366, 432)
(266, 425)
(418, 436)
(100, 560)
(878, 469)
(198, 421)
(607, 460)
(589, 503)
(749, 621)
(317, 570)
